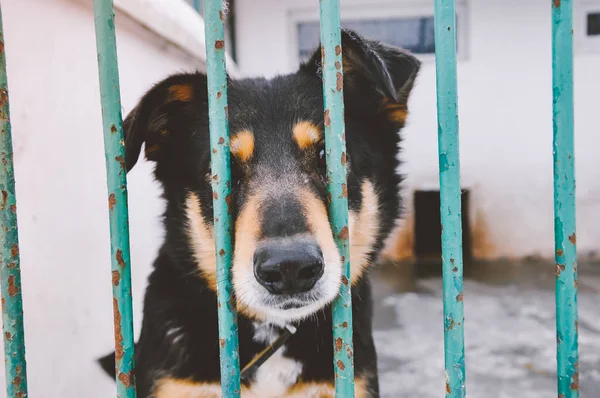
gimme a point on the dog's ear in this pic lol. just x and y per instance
(107, 363)
(374, 72)
(166, 109)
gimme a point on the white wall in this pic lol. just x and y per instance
(61, 186)
(505, 105)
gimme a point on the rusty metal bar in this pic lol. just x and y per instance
(564, 200)
(221, 186)
(450, 203)
(335, 143)
(10, 272)
(116, 173)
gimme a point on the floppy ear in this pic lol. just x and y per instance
(165, 110)
(374, 72)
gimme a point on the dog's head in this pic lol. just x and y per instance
(286, 265)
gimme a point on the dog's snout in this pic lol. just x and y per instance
(288, 267)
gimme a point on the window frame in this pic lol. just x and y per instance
(370, 11)
(583, 42)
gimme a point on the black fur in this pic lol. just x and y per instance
(177, 295)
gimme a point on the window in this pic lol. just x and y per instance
(593, 24)
(414, 33)
(587, 26)
(410, 27)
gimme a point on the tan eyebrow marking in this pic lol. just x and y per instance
(306, 134)
(242, 145)
(181, 92)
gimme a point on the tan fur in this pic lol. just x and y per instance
(316, 216)
(242, 145)
(395, 112)
(181, 92)
(174, 388)
(306, 134)
(247, 231)
(364, 227)
(202, 240)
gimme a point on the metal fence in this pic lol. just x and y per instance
(449, 169)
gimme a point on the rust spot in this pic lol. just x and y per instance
(344, 280)
(16, 382)
(349, 353)
(113, 128)
(556, 3)
(3, 303)
(118, 333)
(222, 252)
(215, 177)
(338, 50)
(577, 330)
(455, 269)
(343, 158)
(7, 335)
(343, 235)
(12, 288)
(340, 364)
(452, 261)
(222, 341)
(459, 297)
(323, 54)
(126, 379)
(448, 390)
(1, 47)
(573, 239)
(575, 383)
(215, 196)
(13, 208)
(561, 396)
(339, 81)
(4, 199)
(559, 269)
(559, 253)
(14, 250)
(338, 65)
(121, 159)
(215, 151)
(228, 201)
(219, 44)
(344, 191)
(116, 277)
(112, 201)
(219, 94)
(327, 118)
(120, 259)
(226, 111)
(338, 344)
(345, 325)
(221, 140)
(221, 15)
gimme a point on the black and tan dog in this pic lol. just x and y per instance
(286, 268)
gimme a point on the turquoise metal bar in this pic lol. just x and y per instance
(450, 204)
(335, 143)
(564, 200)
(116, 175)
(10, 271)
(221, 185)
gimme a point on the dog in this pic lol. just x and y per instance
(286, 269)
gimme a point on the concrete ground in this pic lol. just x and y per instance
(509, 331)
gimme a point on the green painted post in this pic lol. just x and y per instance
(564, 199)
(12, 305)
(221, 185)
(450, 203)
(116, 174)
(335, 142)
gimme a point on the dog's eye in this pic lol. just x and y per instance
(321, 158)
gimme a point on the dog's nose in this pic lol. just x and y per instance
(288, 266)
